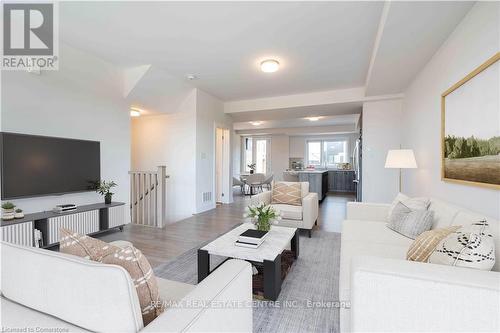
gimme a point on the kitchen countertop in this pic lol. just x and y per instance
(316, 171)
(312, 171)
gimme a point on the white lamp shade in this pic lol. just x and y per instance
(400, 159)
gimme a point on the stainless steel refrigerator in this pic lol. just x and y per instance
(356, 163)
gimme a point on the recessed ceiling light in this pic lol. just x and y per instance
(135, 112)
(269, 66)
(313, 118)
(256, 123)
(191, 77)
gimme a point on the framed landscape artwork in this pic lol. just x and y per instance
(470, 128)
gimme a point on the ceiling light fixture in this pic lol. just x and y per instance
(191, 77)
(134, 112)
(269, 66)
(313, 118)
(256, 123)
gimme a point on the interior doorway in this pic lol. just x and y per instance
(222, 173)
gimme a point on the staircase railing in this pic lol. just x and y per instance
(148, 197)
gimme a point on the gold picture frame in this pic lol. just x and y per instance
(445, 176)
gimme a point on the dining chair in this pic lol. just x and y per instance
(238, 182)
(268, 181)
(254, 181)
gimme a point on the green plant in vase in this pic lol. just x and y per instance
(8, 210)
(252, 167)
(19, 214)
(104, 188)
(263, 215)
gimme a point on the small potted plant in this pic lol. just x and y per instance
(19, 214)
(262, 215)
(8, 210)
(104, 188)
(252, 167)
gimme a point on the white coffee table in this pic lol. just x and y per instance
(268, 254)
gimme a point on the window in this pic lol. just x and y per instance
(261, 155)
(327, 153)
(335, 152)
(314, 153)
(256, 150)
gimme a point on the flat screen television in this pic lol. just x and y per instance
(33, 165)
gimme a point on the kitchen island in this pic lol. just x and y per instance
(318, 181)
(323, 181)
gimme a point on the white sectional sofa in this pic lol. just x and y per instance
(390, 294)
(45, 289)
(301, 217)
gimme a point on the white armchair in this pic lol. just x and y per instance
(301, 217)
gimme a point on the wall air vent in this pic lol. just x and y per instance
(206, 196)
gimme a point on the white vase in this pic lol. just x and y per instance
(19, 215)
(7, 214)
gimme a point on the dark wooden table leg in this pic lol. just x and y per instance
(295, 244)
(203, 264)
(272, 278)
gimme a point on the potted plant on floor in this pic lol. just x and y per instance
(252, 167)
(104, 188)
(8, 210)
(263, 215)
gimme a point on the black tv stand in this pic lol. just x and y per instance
(89, 219)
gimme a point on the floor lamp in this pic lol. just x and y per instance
(400, 159)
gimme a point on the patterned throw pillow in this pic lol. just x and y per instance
(471, 247)
(419, 203)
(128, 257)
(136, 264)
(84, 246)
(423, 246)
(288, 194)
(408, 222)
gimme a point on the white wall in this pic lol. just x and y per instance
(170, 140)
(279, 155)
(184, 141)
(474, 40)
(236, 155)
(82, 100)
(381, 132)
(209, 115)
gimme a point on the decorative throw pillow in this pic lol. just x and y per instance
(470, 246)
(136, 264)
(288, 194)
(409, 222)
(84, 246)
(423, 246)
(128, 257)
(418, 203)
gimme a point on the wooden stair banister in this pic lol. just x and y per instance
(148, 197)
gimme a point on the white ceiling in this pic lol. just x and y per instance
(322, 46)
(299, 112)
(149, 94)
(412, 33)
(300, 122)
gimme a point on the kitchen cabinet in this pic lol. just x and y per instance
(341, 181)
(318, 181)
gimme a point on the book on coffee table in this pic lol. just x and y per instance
(251, 238)
(249, 245)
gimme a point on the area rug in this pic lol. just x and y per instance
(308, 301)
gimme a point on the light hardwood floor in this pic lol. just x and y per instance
(160, 245)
